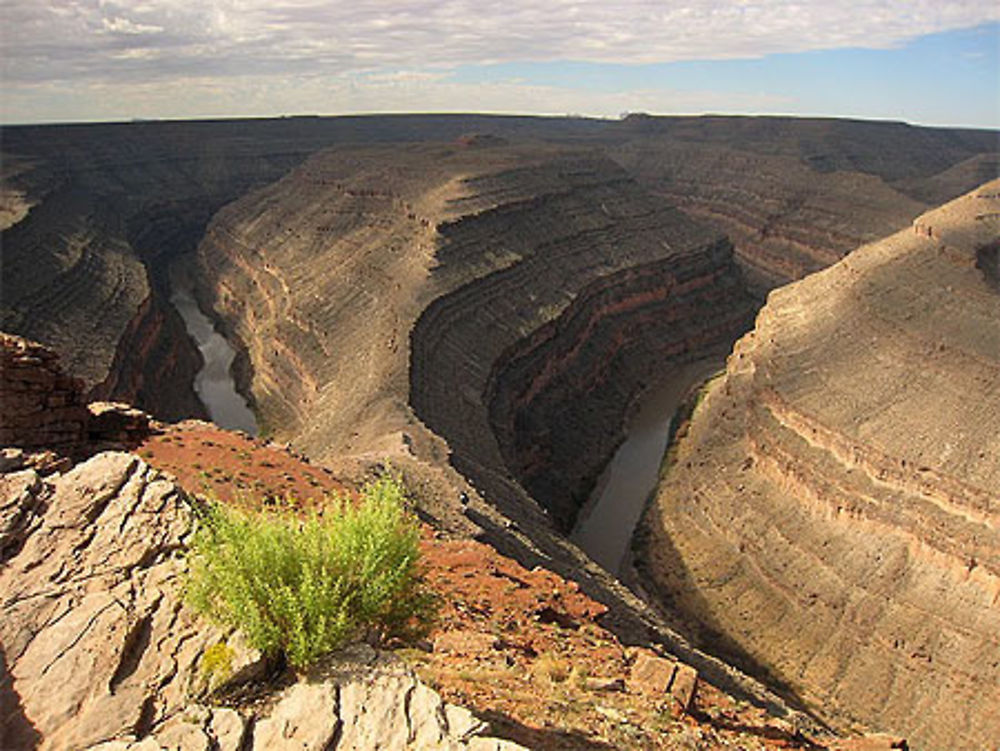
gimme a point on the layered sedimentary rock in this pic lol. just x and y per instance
(472, 284)
(40, 406)
(43, 410)
(92, 215)
(832, 518)
(796, 195)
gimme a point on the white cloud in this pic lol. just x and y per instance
(342, 55)
(65, 39)
(118, 25)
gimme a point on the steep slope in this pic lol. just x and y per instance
(85, 267)
(833, 516)
(463, 287)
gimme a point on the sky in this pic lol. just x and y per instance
(932, 62)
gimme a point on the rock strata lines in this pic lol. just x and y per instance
(834, 513)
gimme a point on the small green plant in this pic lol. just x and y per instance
(216, 664)
(301, 586)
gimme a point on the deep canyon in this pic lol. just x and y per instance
(492, 296)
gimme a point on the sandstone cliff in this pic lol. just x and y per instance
(831, 518)
(461, 289)
(92, 215)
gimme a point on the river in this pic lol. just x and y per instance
(214, 382)
(608, 519)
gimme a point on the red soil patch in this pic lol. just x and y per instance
(228, 466)
(521, 648)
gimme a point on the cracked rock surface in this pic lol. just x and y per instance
(99, 653)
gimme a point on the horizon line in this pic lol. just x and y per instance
(495, 114)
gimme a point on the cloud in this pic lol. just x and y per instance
(118, 25)
(215, 57)
(47, 40)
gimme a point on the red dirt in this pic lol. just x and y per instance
(521, 648)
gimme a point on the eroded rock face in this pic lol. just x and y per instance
(93, 215)
(111, 206)
(95, 641)
(795, 195)
(40, 406)
(462, 291)
(832, 517)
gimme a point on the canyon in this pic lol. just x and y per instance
(832, 512)
(100, 652)
(483, 300)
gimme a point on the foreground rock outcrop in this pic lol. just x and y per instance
(832, 519)
(44, 411)
(98, 651)
(40, 406)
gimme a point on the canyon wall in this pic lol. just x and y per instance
(512, 276)
(92, 215)
(40, 406)
(795, 195)
(832, 518)
(459, 288)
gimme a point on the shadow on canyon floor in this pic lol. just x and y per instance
(633, 629)
(16, 730)
(775, 735)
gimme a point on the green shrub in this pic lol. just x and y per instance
(299, 586)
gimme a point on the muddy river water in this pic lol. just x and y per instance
(214, 383)
(608, 519)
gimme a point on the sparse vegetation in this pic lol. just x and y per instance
(216, 664)
(553, 668)
(300, 586)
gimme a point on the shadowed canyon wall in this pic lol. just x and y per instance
(84, 269)
(606, 286)
(834, 511)
(382, 292)
(93, 214)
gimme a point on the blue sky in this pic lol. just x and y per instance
(949, 78)
(924, 61)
